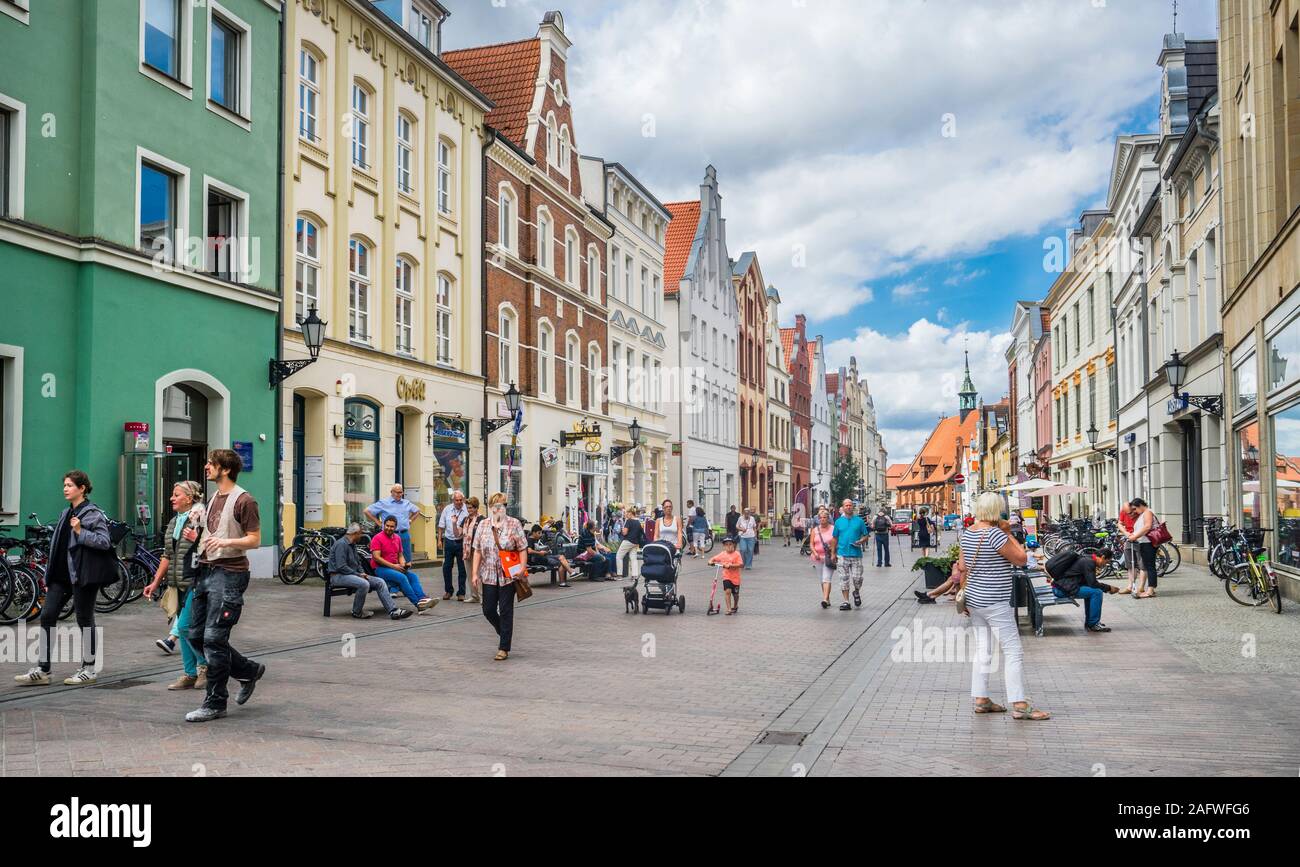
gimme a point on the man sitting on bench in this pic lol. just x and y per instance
(345, 571)
(1074, 575)
(540, 556)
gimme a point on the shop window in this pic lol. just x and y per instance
(1248, 455)
(512, 478)
(1284, 356)
(360, 458)
(1286, 447)
(1245, 381)
(450, 459)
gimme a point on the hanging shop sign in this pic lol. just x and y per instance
(449, 432)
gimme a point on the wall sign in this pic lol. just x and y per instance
(245, 452)
(410, 389)
(450, 432)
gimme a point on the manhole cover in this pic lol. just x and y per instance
(123, 684)
(789, 739)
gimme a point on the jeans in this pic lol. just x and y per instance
(747, 550)
(218, 602)
(362, 583)
(1091, 601)
(453, 552)
(882, 549)
(181, 629)
(407, 582)
(407, 550)
(997, 620)
(83, 601)
(499, 609)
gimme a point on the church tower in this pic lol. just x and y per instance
(968, 397)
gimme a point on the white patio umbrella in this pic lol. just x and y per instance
(1060, 491)
(1029, 485)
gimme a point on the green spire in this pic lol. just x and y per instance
(968, 396)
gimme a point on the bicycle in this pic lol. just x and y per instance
(310, 553)
(1253, 583)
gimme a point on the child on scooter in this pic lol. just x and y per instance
(731, 563)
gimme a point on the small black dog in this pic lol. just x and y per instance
(631, 600)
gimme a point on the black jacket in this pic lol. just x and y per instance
(733, 518)
(91, 559)
(1080, 573)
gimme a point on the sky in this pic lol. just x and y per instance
(897, 165)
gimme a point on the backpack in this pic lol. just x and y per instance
(882, 524)
(1059, 562)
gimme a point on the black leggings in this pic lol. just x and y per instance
(83, 602)
(499, 609)
(1147, 553)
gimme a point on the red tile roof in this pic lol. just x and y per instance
(507, 74)
(678, 241)
(940, 452)
(893, 474)
(832, 383)
(788, 336)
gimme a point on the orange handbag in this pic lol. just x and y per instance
(512, 562)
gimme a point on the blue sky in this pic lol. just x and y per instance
(895, 164)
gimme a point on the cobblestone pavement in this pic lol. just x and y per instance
(590, 690)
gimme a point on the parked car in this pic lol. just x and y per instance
(902, 522)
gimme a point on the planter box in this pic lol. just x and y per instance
(934, 576)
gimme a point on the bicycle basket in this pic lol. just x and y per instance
(118, 531)
(1254, 536)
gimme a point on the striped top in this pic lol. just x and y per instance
(990, 579)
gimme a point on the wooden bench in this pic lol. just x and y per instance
(1033, 592)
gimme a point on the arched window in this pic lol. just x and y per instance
(309, 95)
(564, 150)
(446, 159)
(507, 356)
(358, 291)
(361, 125)
(545, 359)
(405, 292)
(572, 366)
(405, 153)
(360, 458)
(593, 272)
(306, 269)
(593, 378)
(552, 143)
(545, 238)
(506, 225)
(443, 320)
(571, 256)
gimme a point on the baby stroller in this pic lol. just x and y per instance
(659, 564)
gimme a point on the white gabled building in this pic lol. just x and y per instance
(700, 299)
(823, 436)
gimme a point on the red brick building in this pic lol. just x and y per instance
(798, 356)
(544, 312)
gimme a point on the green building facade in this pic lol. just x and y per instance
(139, 239)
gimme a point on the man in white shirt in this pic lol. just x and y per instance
(451, 544)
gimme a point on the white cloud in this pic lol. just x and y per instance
(903, 291)
(961, 275)
(915, 376)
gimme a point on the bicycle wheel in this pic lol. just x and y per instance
(295, 565)
(113, 594)
(140, 577)
(1243, 588)
(1162, 561)
(6, 584)
(708, 543)
(22, 597)
(1174, 555)
(1274, 592)
(38, 596)
(1217, 563)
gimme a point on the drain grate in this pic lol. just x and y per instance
(122, 684)
(785, 739)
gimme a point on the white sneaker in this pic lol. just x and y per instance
(83, 677)
(35, 677)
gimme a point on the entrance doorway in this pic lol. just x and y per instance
(184, 440)
(1193, 495)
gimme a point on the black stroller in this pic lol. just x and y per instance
(659, 564)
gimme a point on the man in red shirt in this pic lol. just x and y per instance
(1127, 517)
(389, 563)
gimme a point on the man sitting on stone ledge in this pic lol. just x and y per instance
(345, 571)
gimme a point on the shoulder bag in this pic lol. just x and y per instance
(1159, 534)
(513, 568)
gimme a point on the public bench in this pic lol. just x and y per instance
(1033, 592)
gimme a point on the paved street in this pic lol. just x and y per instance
(784, 688)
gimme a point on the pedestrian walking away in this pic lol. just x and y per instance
(850, 533)
(178, 568)
(988, 555)
(883, 527)
(232, 527)
(1127, 520)
(81, 561)
(499, 532)
(822, 553)
(451, 544)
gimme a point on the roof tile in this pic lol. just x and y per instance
(678, 241)
(788, 336)
(507, 74)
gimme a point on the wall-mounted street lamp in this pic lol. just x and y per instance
(313, 334)
(1176, 373)
(1093, 433)
(616, 452)
(491, 425)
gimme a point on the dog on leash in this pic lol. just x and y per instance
(631, 600)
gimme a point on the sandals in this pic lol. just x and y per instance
(501, 655)
(987, 706)
(1149, 594)
(1030, 713)
(1125, 590)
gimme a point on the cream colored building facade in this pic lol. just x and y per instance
(780, 433)
(383, 208)
(1259, 80)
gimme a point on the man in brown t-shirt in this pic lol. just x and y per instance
(230, 531)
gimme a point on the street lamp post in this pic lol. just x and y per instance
(313, 334)
(1093, 433)
(1176, 375)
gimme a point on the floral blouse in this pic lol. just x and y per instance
(485, 545)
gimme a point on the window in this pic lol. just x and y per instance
(552, 143)
(1284, 355)
(613, 272)
(627, 279)
(657, 298)
(308, 95)
(704, 341)
(630, 373)
(1078, 344)
(306, 269)
(360, 458)
(11, 431)
(360, 126)
(506, 219)
(593, 273)
(1112, 381)
(1092, 319)
(1078, 410)
(443, 319)
(1248, 465)
(572, 365)
(405, 292)
(1092, 400)
(564, 150)
(655, 384)
(512, 477)
(163, 43)
(1286, 447)
(11, 157)
(645, 290)
(1245, 381)
(444, 177)
(405, 153)
(506, 356)
(593, 379)
(544, 241)
(229, 59)
(224, 229)
(159, 210)
(358, 291)
(618, 387)
(570, 257)
(422, 27)
(545, 359)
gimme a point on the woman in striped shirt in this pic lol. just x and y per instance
(988, 556)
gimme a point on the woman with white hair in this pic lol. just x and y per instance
(178, 569)
(988, 556)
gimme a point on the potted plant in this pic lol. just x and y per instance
(937, 569)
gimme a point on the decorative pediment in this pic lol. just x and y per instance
(618, 319)
(648, 334)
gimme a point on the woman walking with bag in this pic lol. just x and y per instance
(1144, 525)
(179, 568)
(823, 552)
(988, 555)
(467, 526)
(500, 548)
